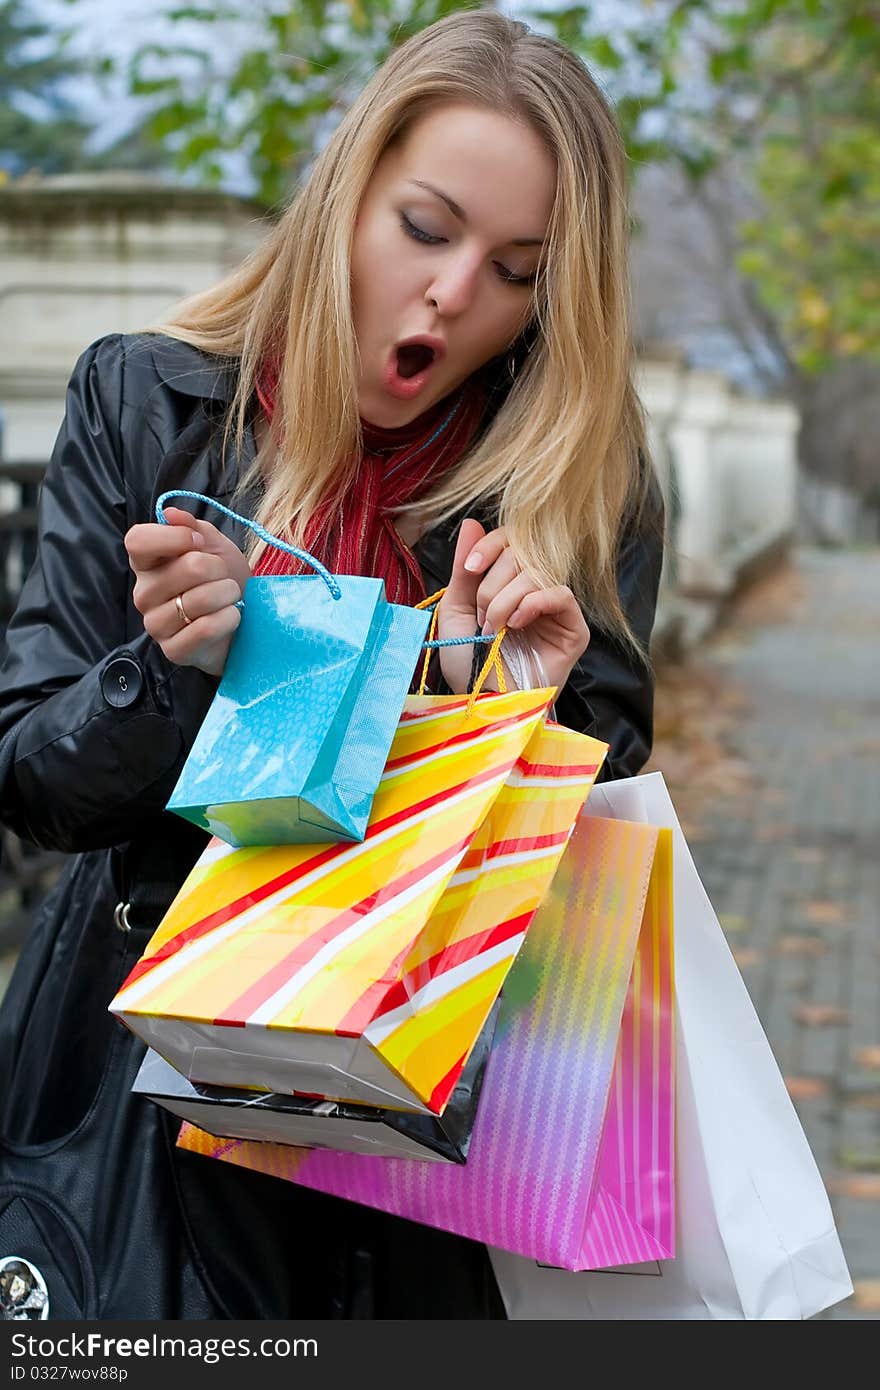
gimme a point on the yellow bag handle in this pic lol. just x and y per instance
(492, 662)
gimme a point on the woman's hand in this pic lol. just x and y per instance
(192, 561)
(489, 591)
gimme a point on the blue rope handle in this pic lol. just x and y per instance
(477, 640)
(304, 555)
(257, 529)
(457, 642)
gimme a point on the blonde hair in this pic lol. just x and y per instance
(564, 460)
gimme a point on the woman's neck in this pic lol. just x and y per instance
(385, 438)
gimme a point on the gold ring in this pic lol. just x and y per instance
(181, 611)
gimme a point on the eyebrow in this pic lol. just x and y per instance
(459, 212)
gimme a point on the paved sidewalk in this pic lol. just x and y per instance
(789, 851)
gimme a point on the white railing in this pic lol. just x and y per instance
(728, 465)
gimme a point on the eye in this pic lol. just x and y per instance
(510, 279)
(428, 239)
(416, 232)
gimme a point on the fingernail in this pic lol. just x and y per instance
(198, 540)
(474, 561)
(515, 619)
(481, 616)
(487, 630)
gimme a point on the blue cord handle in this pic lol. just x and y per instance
(457, 642)
(257, 529)
(303, 555)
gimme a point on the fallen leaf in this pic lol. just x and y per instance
(869, 748)
(842, 719)
(693, 834)
(863, 1186)
(803, 854)
(800, 985)
(774, 795)
(862, 1099)
(733, 923)
(859, 1162)
(746, 957)
(823, 911)
(773, 598)
(866, 1295)
(868, 1057)
(728, 651)
(792, 945)
(773, 834)
(819, 1015)
(806, 1087)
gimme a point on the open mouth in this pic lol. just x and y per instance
(413, 358)
(409, 365)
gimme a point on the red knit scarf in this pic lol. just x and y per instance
(355, 533)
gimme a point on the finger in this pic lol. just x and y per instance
(185, 646)
(218, 543)
(507, 601)
(461, 591)
(150, 544)
(485, 551)
(210, 536)
(559, 603)
(176, 516)
(157, 585)
(166, 621)
(505, 569)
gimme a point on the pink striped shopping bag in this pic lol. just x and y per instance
(572, 1156)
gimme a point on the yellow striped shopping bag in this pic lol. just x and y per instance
(365, 972)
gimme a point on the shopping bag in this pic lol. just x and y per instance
(365, 972)
(295, 740)
(756, 1238)
(544, 1175)
(226, 1112)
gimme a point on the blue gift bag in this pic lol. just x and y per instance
(297, 736)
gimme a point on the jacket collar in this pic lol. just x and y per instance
(190, 371)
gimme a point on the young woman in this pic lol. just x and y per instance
(423, 373)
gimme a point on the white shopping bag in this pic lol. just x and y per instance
(756, 1238)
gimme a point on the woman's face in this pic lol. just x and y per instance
(446, 244)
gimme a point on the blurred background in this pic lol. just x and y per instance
(145, 149)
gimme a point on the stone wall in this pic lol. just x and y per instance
(83, 256)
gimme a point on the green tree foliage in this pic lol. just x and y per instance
(39, 129)
(266, 103)
(790, 90)
(815, 250)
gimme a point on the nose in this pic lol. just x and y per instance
(454, 285)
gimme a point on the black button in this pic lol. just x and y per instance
(122, 681)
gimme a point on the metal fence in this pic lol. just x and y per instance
(26, 873)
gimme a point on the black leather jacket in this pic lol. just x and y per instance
(94, 721)
(95, 724)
